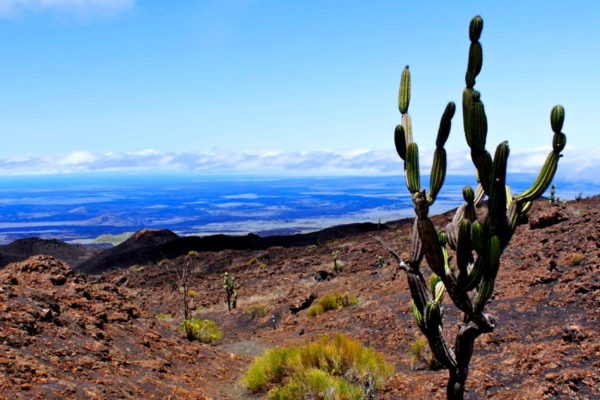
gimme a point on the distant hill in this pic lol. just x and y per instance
(22, 249)
(151, 246)
(138, 249)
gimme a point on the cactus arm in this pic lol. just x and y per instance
(413, 180)
(431, 247)
(509, 197)
(419, 318)
(494, 250)
(418, 291)
(400, 141)
(483, 162)
(479, 194)
(475, 51)
(542, 181)
(416, 248)
(433, 281)
(464, 256)
(404, 92)
(438, 174)
(557, 116)
(408, 130)
(475, 62)
(435, 336)
(445, 125)
(497, 202)
(438, 169)
(525, 208)
(443, 240)
(439, 292)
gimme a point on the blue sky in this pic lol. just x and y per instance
(292, 86)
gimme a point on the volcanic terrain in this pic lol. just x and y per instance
(110, 333)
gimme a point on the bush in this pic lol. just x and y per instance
(163, 316)
(576, 259)
(418, 352)
(256, 311)
(203, 330)
(329, 368)
(332, 301)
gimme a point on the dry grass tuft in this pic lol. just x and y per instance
(331, 367)
(330, 302)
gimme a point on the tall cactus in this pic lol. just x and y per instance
(478, 245)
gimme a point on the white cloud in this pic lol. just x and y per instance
(577, 164)
(9, 8)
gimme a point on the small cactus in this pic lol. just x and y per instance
(337, 265)
(229, 286)
(234, 300)
(552, 192)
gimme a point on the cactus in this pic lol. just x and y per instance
(234, 300)
(380, 261)
(229, 286)
(337, 265)
(552, 192)
(477, 245)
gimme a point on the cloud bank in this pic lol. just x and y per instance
(577, 164)
(10, 8)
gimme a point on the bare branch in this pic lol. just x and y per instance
(401, 263)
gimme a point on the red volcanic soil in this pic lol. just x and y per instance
(65, 335)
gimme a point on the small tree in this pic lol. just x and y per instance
(185, 285)
(477, 245)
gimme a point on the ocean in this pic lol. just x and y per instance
(93, 208)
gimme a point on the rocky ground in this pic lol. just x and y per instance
(65, 335)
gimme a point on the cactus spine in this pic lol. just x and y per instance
(478, 245)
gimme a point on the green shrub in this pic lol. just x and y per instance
(415, 351)
(404, 238)
(576, 259)
(203, 330)
(162, 317)
(315, 310)
(330, 368)
(332, 301)
(164, 261)
(256, 311)
(311, 247)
